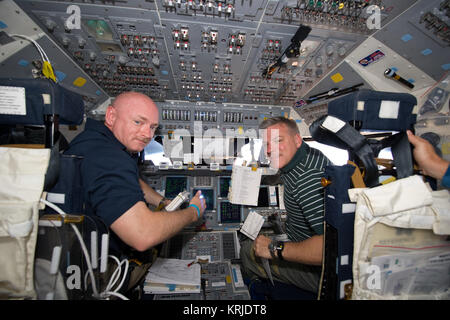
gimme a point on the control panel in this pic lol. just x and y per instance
(207, 246)
(197, 50)
(220, 214)
(232, 120)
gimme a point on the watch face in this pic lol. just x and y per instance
(279, 245)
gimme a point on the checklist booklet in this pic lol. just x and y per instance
(172, 276)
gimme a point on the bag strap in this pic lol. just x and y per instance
(52, 175)
(335, 132)
(357, 178)
(401, 152)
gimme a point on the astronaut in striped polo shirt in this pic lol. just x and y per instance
(297, 261)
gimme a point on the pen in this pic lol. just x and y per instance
(190, 264)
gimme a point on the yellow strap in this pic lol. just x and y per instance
(357, 178)
(25, 146)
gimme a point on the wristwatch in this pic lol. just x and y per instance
(276, 249)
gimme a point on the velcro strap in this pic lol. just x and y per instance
(333, 131)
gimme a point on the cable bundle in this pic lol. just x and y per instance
(47, 68)
(109, 291)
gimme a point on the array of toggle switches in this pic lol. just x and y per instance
(209, 41)
(141, 48)
(224, 9)
(342, 14)
(434, 23)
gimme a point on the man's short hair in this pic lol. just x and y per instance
(291, 124)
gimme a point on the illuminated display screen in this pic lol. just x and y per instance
(229, 212)
(224, 185)
(175, 185)
(209, 197)
(263, 197)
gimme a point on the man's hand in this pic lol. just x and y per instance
(200, 202)
(167, 202)
(261, 247)
(431, 164)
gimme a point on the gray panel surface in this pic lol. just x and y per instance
(417, 43)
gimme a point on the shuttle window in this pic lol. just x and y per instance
(250, 152)
(339, 157)
(213, 150)
(154, 152)
(385, 154)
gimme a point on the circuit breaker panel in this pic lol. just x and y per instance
(196, 50)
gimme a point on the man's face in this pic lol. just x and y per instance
(281, 145)
(134, 125)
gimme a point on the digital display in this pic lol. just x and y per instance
(175, 185)
(209, 197)
(224, 185)
(263, 197)
(229, 212)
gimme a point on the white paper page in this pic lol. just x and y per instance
(433, 277)
(281, 197)
(252, 225)
(273, 196)
(413, 273)
(245, 184)
(398, 283)
(174, 271)
(12, 100)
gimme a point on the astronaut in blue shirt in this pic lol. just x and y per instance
(112, 188)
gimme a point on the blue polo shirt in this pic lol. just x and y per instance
(109, 173)
(446, 179)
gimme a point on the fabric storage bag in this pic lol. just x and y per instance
(401, 247)
(22, 173)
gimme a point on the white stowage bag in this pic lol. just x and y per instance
(22, 176)
(401, 248)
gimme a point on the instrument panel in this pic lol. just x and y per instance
(195, 50)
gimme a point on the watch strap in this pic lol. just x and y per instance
(280, 247)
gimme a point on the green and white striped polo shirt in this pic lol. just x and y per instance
(303, 193)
